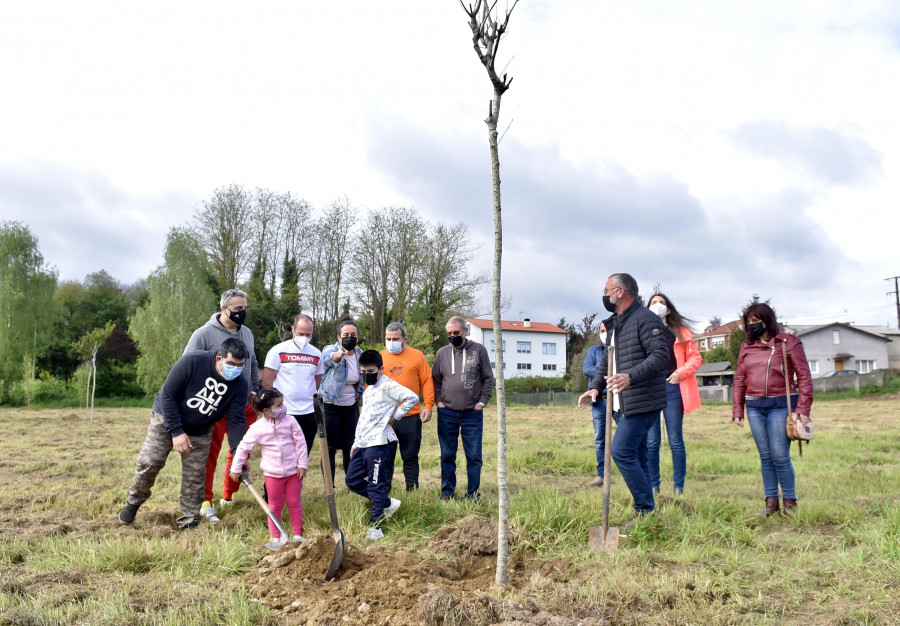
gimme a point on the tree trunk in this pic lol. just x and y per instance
(502, 574)
(94, 387)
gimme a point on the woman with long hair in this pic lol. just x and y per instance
(759, 385)
(683, 396)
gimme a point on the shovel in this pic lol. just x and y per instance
(603, 538)
(245, 478)
(340, 542)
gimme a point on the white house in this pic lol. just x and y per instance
(838, 346)
(530, 348)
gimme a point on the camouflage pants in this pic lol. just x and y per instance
(151, 460)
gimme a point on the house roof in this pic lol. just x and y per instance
(880, 330)
(724, 329)
(536, 327)
(800, 330)
(715, 368)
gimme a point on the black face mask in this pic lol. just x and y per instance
(370, 379)
(237, 317)
(755, 330)
(456, 341)
(608, 305)
(348, 343)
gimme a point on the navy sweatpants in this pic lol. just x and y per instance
(366, 477)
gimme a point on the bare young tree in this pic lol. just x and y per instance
(325, 263)
(224, 227)
(488, 25)
(371, 267)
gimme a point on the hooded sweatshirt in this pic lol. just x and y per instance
(462, 376)
(211, 335)
(195, 396)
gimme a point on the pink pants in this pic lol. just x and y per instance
(280, 490)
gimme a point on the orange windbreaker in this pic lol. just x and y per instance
(410, 369)
(688, 359)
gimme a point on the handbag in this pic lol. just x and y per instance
(794, 426)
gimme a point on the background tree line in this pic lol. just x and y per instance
(378, 265)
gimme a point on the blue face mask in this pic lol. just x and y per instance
(395, 347)
(230, 372)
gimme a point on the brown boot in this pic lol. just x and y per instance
(789, 506)
(771, 508)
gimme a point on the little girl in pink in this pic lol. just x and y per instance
(283, 463)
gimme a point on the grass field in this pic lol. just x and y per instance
(704, 559)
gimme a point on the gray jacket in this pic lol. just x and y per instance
(462, 376)
(211, 335)
(643, 354)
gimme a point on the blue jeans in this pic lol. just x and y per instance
(598, 410)
(629, 451)
(768, 428)
(365, 477)
(674, 416)
(469, 425)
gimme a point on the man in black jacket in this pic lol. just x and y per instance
(201, 388)
(636, 376)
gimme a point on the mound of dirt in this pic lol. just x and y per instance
(374, 586)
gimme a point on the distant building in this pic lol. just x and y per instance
(838, 346)
(715, 336)
(529, 348)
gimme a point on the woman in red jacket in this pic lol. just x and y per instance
(681, 389)
(759, 384)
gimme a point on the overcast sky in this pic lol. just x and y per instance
(719, 149)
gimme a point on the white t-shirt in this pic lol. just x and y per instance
(296, 374)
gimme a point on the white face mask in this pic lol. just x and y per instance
(659, 308)
(603, 338)
(300, 341)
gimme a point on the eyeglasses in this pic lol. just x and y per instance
(609, 292)
(238, 309)
(455, 333)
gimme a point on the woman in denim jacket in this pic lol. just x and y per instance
(342, 387)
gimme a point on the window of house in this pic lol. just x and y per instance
(523, 347)
(549, 367)
(523, 366)
(835, 337)
(504, 345)
(549, 348)
(813, 366)
(718, 341)
(865, 367)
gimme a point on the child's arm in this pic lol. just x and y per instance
(406, 398)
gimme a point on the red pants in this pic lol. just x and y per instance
(218, 435)
(281, 490)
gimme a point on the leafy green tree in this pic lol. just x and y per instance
(27, 310)
(181, 299)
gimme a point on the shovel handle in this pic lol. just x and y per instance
(607, 452)
(319, 408)
(245, 478)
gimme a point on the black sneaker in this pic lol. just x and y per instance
(191, 525)
(126, 515)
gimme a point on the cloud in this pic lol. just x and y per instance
(568, 226)
(829, 155)
(84, 223)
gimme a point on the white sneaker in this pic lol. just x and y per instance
(374, 534)
(389, 512)
(224, 502)
(275, 544)
(298, 539)
(209, 512)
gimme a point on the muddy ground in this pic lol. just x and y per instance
(455, 586)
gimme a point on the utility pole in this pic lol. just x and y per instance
(896, 293)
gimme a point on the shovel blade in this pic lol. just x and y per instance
(340, 544)
(598, 543)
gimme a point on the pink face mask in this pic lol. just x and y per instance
(278, 413)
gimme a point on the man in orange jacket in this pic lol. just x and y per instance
(408, 367)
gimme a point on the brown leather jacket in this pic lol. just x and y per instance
(760, 373)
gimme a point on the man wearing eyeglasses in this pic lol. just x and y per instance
(636, 376)
(228, 323)
(463, 383)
